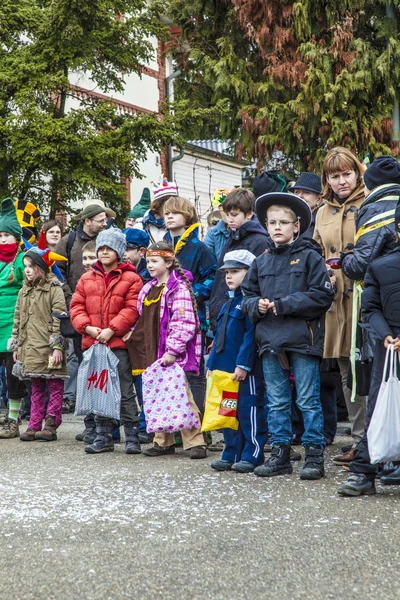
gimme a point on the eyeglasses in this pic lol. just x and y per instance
(101, 220)
(279, 223)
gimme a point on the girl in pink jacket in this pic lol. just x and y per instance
(168, 328)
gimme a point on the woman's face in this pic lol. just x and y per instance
(53, 236)
(343, 183)
(7, 238)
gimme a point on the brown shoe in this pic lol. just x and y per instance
(343, 460)
(28, 435)
(48, 433)
(9, 429)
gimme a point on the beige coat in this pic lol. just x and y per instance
(36, 332)
(334, 229)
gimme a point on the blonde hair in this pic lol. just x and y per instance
(176, 204)
(339, 159)
(177, 267)
(285, 209)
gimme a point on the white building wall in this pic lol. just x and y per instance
(198, 175)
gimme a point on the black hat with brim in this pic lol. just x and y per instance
(297, 204)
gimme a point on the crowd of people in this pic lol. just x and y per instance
(293, 292)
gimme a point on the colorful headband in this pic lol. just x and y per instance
(163, 253)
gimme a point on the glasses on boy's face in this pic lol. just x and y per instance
(278, 223)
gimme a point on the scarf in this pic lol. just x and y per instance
(8, 252)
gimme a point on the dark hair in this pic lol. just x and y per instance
(240, 199)
(89, 247)
(177, 267)
(53, 223)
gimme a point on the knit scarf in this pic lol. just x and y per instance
(8, 252)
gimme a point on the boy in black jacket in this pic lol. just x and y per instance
(287, 293)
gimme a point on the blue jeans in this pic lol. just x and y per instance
(306, 375)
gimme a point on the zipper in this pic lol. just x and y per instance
(311, 333)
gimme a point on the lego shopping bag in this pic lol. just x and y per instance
(221, 402)
(98, 390)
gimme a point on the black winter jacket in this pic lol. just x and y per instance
(296, 279)
(380, 301)
(250, 236)
(376, 217)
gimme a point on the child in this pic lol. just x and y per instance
(11, 281)
(168, 328)
(245, 233)
(137, 242)
(193, 256)
(286, 294)
(37, 343)
(89, 255)
(380, 303)
(104, 308)
(234, 349)
(308, 186)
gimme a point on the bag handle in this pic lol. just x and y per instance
(389, 356)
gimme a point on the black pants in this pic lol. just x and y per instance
(362, 460)
(16, 387)
(198, 383)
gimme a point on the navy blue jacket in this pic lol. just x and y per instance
(196, 258)
(380, 301)
(295, 278)
(250, 236)
(141, 270)
(376, 241)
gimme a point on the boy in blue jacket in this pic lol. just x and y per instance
(234, 350)
(286, 294)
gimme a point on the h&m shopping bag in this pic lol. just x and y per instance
(384, 429)
(165, 399)
(221, 402)
(98, 389)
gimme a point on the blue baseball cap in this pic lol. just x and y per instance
(136, 238)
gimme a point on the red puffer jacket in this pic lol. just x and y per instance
(100, 305)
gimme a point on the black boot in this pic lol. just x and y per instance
(313, 463)
(104, 441)
(132, 444)
(392, 478)
(278, 463)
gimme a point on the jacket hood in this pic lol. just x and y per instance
(121, 267)
(383, 191)
(252, 226)
(301, 243)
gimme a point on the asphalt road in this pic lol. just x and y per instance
(115, 526)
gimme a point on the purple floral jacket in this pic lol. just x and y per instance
(178, 322)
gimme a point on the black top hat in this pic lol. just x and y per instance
(297, 204)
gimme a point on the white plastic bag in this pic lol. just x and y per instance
(383, 433)
(165, 399)
(98, 389)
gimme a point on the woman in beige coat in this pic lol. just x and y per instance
(343, 194)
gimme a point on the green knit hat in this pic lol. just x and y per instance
(142, 206)
(8, 219)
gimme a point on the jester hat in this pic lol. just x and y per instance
(44, 257)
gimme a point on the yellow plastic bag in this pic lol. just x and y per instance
(221, 402)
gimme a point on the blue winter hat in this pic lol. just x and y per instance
(136, 238)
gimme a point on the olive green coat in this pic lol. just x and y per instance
(36, 333)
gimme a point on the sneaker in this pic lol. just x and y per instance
(197, 452)
(221, 465)
(243, 466)
(157, 450)
(28, 435)
(344, 459)
(357, 484)
(9, 429)
(278, 463)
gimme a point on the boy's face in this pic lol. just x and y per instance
(107, 256)
(174, 220)
(129, 222)
(281, 227)
(236, 218)
(234, 277)
(313, 199)
(88, 259)
(134, 255)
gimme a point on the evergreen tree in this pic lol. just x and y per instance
(299, 76)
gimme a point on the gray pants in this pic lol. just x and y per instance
(73, 366)
(129, 405)
(357, 410)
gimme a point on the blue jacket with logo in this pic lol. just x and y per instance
(293, 276)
